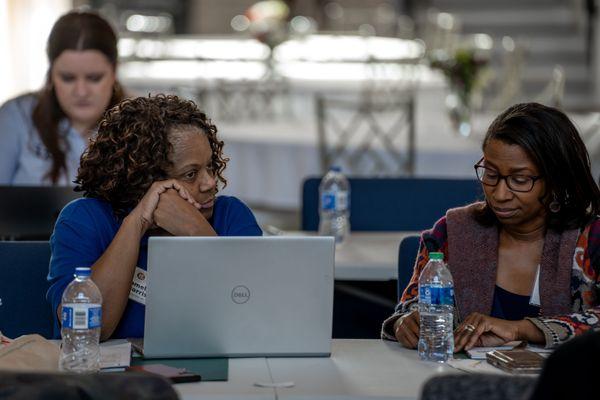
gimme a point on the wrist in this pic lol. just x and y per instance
(136, 223)
(396, 324)
(199, 226)
(527, 331)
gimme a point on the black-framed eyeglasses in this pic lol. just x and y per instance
(515, 182)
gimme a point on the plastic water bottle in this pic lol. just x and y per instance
(81, 317)
(436, 307)
(334, 205)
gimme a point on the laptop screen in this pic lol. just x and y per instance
(239, 296)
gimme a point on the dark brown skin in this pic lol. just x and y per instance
(521, 240)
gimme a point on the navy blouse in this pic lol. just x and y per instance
(511, 306)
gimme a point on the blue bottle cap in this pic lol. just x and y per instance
(335, 168)
(83, 271)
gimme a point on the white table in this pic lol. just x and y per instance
(366, 256)
(243, 374)
(357, 369)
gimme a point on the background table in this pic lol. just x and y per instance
(270, 160)
(366, 256)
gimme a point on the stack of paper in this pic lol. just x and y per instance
(478, 353)
(115, 355)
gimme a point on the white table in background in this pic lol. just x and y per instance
(270, 159)
(369, 256)
(357, 369)
(366, 256)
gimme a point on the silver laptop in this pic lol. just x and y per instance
(239, 296)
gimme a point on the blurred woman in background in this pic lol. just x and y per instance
(43, 134)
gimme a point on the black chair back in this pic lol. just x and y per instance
(23, 287)
(29, 212)
(407, 254)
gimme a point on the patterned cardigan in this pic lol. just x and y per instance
(569, 274)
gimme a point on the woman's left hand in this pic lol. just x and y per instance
(180, 218)
(482, 330)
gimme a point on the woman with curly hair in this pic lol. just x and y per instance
(152, 169)
(43, 134)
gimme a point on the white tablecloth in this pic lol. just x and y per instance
(269, 160)
(365, 256)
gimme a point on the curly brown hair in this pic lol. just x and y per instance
(131, 149)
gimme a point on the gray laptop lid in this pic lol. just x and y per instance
(239, 296)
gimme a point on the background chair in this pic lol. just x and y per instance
(18, 385)
(477, 386)
(236, 102)
(29, 212)
(373, 134)
(393, 204)
(23, 286)
(407, 254)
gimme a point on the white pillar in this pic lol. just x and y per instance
(24, 29)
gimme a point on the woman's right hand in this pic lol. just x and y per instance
(144, 211)
(406, 329)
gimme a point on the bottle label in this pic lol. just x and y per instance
(81, 316)
(334, 201)
(436, 295)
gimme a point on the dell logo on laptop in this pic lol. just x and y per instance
(240, 294)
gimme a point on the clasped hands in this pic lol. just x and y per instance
(475, 331)
(168, 205)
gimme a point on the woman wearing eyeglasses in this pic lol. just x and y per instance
(526, 261)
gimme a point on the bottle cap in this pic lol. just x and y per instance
(83, 271)
(435, 255)
(335, 168)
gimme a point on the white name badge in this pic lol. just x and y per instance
(138, 286)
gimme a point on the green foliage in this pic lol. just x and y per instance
(462, 70)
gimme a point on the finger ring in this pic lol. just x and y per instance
(469, 327)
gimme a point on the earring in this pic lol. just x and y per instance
(554, 205)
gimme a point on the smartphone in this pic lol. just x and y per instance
(176, 375)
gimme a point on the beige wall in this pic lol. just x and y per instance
(214, 16)
(24, 29)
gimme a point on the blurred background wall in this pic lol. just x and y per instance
(24, 29)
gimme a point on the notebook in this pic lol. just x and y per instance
(239, 297)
